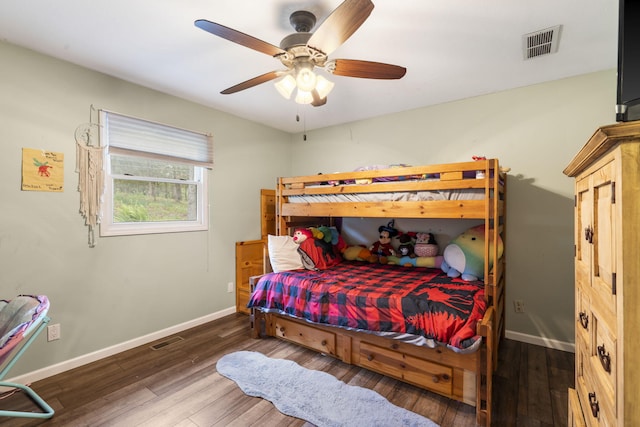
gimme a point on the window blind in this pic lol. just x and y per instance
(128, 134)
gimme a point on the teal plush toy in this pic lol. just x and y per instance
(464, 255)
(327, 235)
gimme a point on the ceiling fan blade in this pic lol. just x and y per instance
(271, 75)
(340, 25)
(365, 69)
(238, 37)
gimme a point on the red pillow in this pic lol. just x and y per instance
(317, 254)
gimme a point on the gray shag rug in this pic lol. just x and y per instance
(314, 396)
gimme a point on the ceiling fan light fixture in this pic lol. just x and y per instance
(323, 86)
(302, 51)
(306, 79)
(286, 85)
(304, 97)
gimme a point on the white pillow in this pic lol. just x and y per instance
(283, 253)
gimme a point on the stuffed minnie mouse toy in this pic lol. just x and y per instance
(406, 248)
(381, 249)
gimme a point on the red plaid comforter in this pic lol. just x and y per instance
(379, 298)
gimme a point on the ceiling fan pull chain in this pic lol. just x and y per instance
(304, 127)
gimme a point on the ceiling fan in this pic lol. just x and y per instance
(303, 50)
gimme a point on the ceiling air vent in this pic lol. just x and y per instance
(541, 42)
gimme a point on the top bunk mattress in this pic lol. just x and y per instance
(389, 196)
(396, 183)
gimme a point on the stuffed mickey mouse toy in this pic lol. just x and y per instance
(383, 248)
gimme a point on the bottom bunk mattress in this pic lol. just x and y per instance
(419, 305)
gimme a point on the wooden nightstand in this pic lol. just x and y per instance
(249, 262)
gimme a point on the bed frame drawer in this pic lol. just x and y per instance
(411, 369)
(319, 340)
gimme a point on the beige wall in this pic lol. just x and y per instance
(535, 131)
(125, 287)
(128, 287)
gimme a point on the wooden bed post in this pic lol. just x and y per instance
(256, 316)
(484, 378)
(281, 223)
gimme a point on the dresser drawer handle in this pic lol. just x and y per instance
(605, 359)
(593, 402)
(588, 234)
(370, 357)
(584, 320)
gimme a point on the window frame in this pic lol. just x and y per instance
(201, 176)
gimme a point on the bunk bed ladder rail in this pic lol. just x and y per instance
(484, 379)
(495, 192)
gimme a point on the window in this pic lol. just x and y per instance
(155, 177)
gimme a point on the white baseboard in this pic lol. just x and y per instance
(541, 341)
(76, 362)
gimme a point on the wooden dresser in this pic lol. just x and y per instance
(607, 288)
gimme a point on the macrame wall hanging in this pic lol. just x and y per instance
(89, 158)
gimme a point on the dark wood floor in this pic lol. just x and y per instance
(178, 385)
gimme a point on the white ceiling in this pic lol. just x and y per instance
(451, 49)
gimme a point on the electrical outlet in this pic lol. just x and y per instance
(230, 287)
(518, 306)
(53, 332)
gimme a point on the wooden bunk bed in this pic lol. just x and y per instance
(463, 377)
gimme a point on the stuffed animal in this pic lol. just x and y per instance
(419, 261)
(329, 235)
(406, 246)
(357, 253)
(302, 234)
(315, 254)
(464, 255)
(325, 233)
(383, 247)
(316, 233)
(426, 245)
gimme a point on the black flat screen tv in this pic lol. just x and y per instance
(628, 96)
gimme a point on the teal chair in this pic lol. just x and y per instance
(22, 318)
